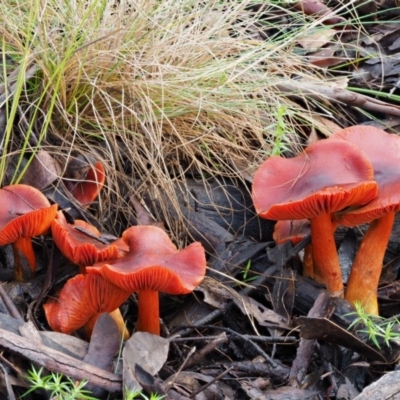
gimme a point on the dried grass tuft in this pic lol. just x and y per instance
(159, 90)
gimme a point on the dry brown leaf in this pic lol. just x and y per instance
(42, 171)
(144, 349)
(317, 39)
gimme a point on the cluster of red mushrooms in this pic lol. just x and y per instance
(351, 178)
(144, 260)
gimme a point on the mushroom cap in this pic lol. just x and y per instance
(82, 298)
(325, 178)
(87, 190)
(383, 150)
(154, 263)
(80, 248)
(24, 212)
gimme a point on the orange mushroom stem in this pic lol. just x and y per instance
(364, 276)
(148, 312)
(324, 265)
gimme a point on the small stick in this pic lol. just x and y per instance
(208, 348)
(204, 387)
(243, 337)
(192, 350)
(10, 305)
(87, 233)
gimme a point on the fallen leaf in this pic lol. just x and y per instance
(324, 329)
(317, 39)
(144, 349)
(263, 315)
(42, 171)
(104, 342)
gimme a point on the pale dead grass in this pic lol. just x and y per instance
(159, 90)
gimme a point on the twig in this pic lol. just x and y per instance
(266, 339)
(192, 350)
(306, 346)
(204, 387)
(10, 305)
(6, 380)
(89, 234)
(243, 337)
(59, 362)
(208, 348)
(319, 92)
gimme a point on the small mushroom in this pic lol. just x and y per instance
(25, 213)
(383, 150)
(327, 177)
(80, 302)
(82, 244)
(87, 189)
(153, 264)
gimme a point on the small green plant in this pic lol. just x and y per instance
(137, 394)
(279, 139)
(60, 387)
(377, 328)
(64, 388)
(245, 273)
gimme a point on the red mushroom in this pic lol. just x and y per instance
(25, 213)
(86, 190)
(383, 150)
(81, 242)
(80, 302)
(327, 177)
(153, 264)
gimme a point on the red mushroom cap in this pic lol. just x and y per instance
(383, 150)
(154, 263)
(327, 177)
(87, 190)
(80, 248)
(82, 298)
(24, 212)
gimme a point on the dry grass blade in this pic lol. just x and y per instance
(158, 90)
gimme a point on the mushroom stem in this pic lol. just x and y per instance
(24, 259)
(148, 312)
(308, 267)
(325, 258)
(362, 285)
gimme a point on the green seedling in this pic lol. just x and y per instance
(59, 387)
(245, 274)
(64, 388)
(377, 328)
(279, 139)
